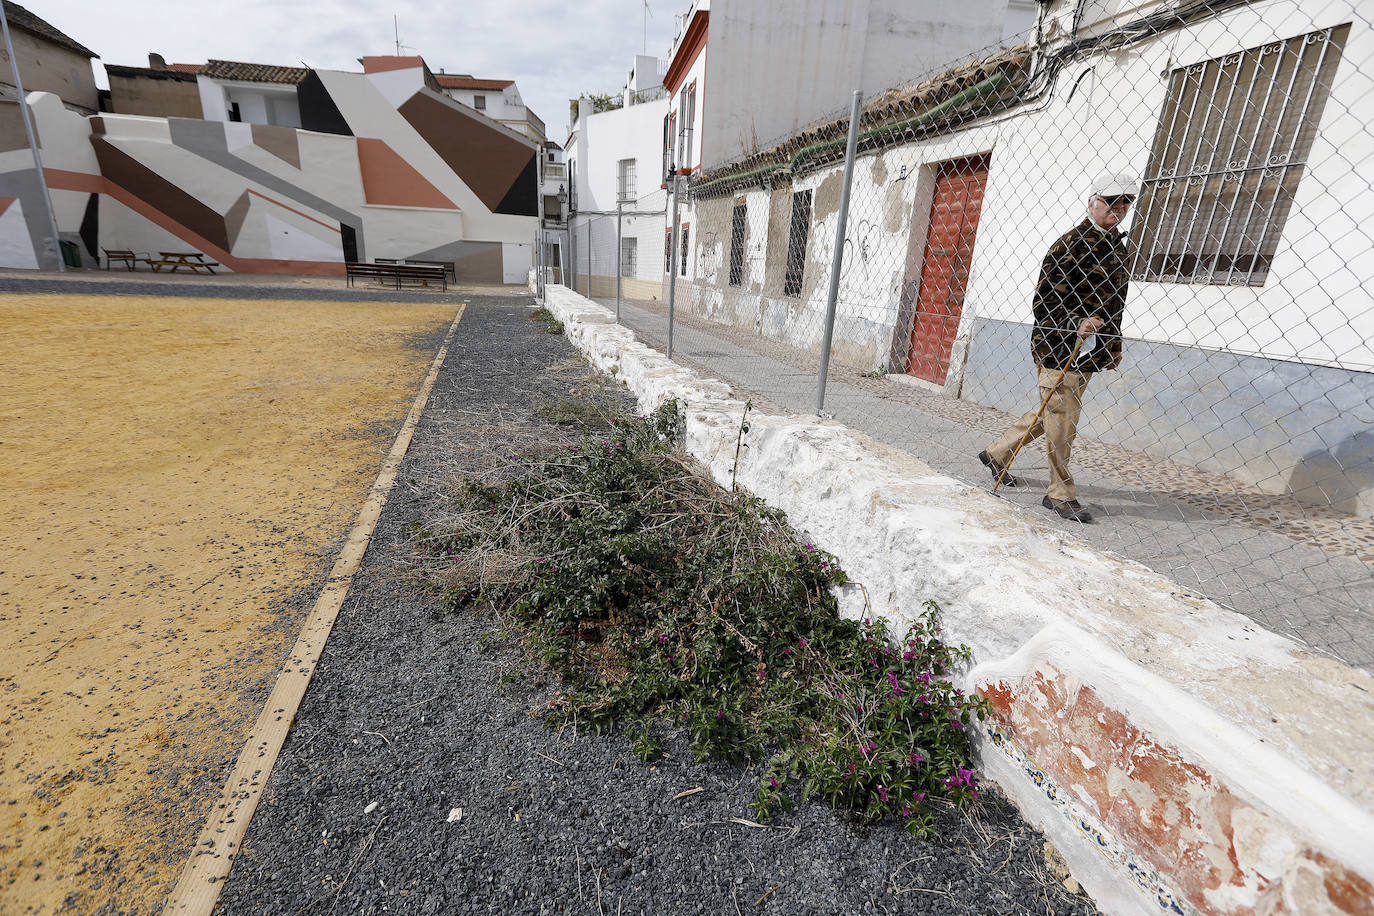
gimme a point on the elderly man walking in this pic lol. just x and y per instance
(1078, 304)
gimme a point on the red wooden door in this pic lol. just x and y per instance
(959, 186)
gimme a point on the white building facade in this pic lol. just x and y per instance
(497, 99)
(744, 73)
(614, 163)
(1249, 321)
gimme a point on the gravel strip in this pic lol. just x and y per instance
(415, 780)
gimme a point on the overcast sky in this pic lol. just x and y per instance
(553, 49)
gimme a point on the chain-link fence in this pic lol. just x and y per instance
(1201, 384)
(619, 253)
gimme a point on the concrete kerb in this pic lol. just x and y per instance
(1183, 759)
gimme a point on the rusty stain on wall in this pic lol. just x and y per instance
(1180, 819)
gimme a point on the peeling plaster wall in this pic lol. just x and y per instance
(1184, 760)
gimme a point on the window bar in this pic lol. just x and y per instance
(1154, 217)
(1244, 166)
(1179, 173)
(1209, 272)
(1233, 168)
(1199, 177)
(1264, 168)
(1287, 164)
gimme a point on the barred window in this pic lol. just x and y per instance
(684, 249)
(626, 182)
(667, 251)
(737, 218)
(629, 256)
(1232, 142)
(796, 243)
(686, 114)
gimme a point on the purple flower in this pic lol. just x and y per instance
(787, 651)
(720, 714)
(906, 811)
(868, 747)
(662, 638)
(801, 643)
(908, 655)
(762, 674)
(915, 758)
(882, 793)
(772, 782)
(809, 547)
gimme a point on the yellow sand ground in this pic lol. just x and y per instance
(174, 471)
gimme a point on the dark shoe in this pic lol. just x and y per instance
(1070, 509)
(1007, 479)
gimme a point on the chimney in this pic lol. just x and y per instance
(157, 61)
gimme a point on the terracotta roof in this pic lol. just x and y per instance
(186, 68)
(21, 18)
(176, 73)
(463, 81)
(253, 73)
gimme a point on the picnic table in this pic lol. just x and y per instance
(173, 261)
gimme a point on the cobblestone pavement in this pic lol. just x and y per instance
(1299, 570)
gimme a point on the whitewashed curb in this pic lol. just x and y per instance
(1182, 758)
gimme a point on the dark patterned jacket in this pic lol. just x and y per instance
(1084, 274)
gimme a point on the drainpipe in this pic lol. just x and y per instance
(672, 267)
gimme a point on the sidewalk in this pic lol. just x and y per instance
(1295, 570)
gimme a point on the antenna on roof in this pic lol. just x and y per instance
(396, 31)
(647, 13)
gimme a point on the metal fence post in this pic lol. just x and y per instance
(619, 209)
(672, 267)
(589, 257)
(33, 146)
(837, 259)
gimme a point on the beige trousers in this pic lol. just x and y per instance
(1058, 424)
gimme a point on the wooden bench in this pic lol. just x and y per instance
(396, 274)
(129, 258)
(446, 265)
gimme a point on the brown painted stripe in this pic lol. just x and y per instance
(281, 142)
(389, 180)
(62, 180)
(332, 227)
(488, 161)
(135, 177)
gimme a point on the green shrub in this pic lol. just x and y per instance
(664, 601)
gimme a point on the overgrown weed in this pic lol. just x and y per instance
(665, 602)
(551, 324)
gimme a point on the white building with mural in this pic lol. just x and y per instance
(291, 171)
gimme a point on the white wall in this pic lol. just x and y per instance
(602, 140)
(774, 66)
(259, 103)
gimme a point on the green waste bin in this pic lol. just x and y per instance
(71, 253)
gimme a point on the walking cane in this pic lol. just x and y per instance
(1025, 437)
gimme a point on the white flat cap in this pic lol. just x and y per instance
(1114, 184)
